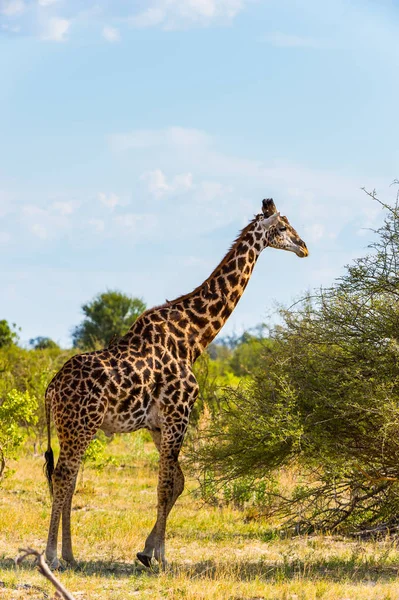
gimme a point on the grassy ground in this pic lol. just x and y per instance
(212, 552)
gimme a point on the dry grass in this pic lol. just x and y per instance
(213, 553)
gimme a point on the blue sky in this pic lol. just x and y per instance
(138, 137)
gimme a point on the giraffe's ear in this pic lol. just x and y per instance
(269, 221)
(268, 207)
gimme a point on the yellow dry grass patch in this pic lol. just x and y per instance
(213, 553)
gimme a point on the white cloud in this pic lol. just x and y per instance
(309, 195)
(63, 208)
(211, 190)
(56, 29)
(30, 210)
(148, 18)
(148, 138)
(314, 232)
(36, 219)
(158, 185)
(11, 8)
(39, 230)
(10, 28)
(286, 40)
(156, 181)
(111, 34)
(183, 182)
(97, 224)
(109, 200)
(137, 225)
(30, 15)
(46, 223)
(177, 14)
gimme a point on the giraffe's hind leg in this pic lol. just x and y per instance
(64, 479)
(67, 553)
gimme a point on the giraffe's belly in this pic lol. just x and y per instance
(129, 415)
(116, 425)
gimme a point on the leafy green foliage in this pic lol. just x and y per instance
(224, 367)
(30, 371)
(17, 411)
(42, 343)
(248, 352)
(108, 316)
(95, 452)
(8, 335)
(213, 377)
(324, 401)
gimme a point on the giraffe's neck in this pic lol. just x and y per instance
(204, 312)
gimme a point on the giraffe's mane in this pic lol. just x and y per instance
(239, 237)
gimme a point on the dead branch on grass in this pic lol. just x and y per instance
(61, 593)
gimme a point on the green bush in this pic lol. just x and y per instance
(8, 335)
(18, 411)
(324, 403)
(30, 371)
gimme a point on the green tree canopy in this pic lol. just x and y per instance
(248, 352)
(8, 335)
(42, 343)
(107, 316)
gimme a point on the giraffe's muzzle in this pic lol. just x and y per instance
(302, 249)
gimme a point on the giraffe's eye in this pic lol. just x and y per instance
(283, 229)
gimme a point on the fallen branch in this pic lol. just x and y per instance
(61, 592)
(385, 529)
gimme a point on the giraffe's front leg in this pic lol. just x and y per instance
(178, 487)
(67, 553)
(170, 486)
(168, 440)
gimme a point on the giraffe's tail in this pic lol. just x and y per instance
(49, 455)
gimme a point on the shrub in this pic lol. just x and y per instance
(17, 412)
(324, 403)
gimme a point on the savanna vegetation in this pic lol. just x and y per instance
(323, 401)
(292, 455)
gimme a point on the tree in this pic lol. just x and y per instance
(8, 335)
(248, 352)
(42, 343)
(108, 316)
(325, 402)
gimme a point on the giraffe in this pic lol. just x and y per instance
(145, 380)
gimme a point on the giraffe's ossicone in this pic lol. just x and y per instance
(145, 380)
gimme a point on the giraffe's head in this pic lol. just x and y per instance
(279, 233)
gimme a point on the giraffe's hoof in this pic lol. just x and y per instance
(55, 565)
(70, 563)
(163, 565)
(144, 559)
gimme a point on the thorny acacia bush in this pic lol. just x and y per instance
(325, 403)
